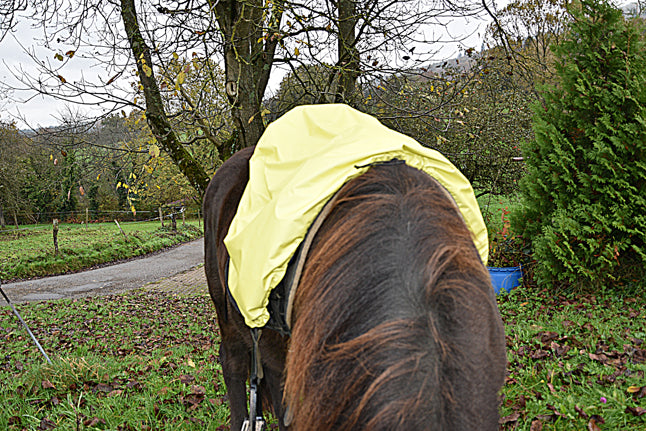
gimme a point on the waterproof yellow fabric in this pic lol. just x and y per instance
(301, 160)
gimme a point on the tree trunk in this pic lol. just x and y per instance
(348, 62)
(248, 57)
(155, 114)
(2, 222)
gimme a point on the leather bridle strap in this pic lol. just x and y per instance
(302, 256)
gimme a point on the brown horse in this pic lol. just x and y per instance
(395, 323)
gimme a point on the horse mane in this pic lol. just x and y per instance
(395, 321)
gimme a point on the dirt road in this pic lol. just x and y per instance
(110, 279)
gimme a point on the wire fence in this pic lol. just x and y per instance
(30, 221)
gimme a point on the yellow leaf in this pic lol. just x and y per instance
(175, 56)
(153, 150)
(119, 184)
(51, 157)
(181, 78)
(134, 211)
(98, 176)
(70, 54)
(633, 389)
(296, 52)
(190, 363)
(63, 80)
(158, 187)
(58, 57)
(147, 70)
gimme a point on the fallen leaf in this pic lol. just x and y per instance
(198, 390)
(536, 425)
(539, 354)
(102, 387)
(635, 411)
(46, 424)
(48, 385)
(186, 378)
(548, 336)
(552, 389)
(599, 358)
(567, 323)
(592, 425)
(510, 418)
(580, 411)
(93, 422)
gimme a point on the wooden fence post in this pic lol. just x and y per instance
(55, 232)
(87, 217)
(183, 216)
(161, 217)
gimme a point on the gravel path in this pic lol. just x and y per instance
(178, 270)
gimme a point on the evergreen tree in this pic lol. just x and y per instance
(585, 192)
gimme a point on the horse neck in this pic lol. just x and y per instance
(380, 311)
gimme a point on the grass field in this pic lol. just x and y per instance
(29, 252)
(149, 361)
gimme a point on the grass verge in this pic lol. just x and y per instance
(137, 361)
(30, 252)
(148, 360)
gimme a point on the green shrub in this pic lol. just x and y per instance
(584, 196)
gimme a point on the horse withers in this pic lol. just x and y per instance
(394, 325)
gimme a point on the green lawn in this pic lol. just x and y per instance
(29, 252)
(149, 361)
(575, 362)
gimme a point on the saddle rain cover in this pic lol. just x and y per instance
(299, 163)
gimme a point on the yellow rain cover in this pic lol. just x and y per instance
(300, 161)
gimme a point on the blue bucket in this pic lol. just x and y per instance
(505, 278)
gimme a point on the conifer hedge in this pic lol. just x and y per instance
(584, 196)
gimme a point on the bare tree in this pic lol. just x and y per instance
(360, 42)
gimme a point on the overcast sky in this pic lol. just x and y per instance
(46, 111)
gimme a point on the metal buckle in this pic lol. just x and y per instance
(259, 424)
